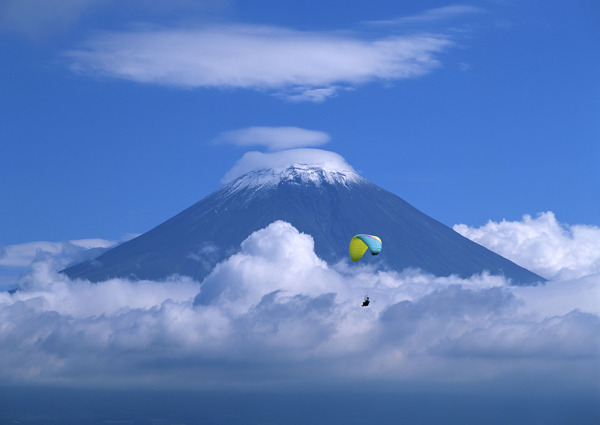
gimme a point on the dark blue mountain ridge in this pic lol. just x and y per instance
(331, 206)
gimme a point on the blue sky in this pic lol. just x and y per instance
(484, 115)
(473, 111)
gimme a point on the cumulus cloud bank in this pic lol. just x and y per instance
(275, 313)
(299, 65)
(22, 255)
(542, 244)
(274, 138)
(15, 259)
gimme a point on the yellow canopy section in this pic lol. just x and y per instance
(360, 243)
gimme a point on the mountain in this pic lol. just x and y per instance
(331, 204)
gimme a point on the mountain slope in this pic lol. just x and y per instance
(331, 206)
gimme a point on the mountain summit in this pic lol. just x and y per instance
(320, 195)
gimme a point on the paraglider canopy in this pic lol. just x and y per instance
(361, 242)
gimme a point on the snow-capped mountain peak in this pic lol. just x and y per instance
(329, 162)
(302, 166)
(295, 174)
(306, 173)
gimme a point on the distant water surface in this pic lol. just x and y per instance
(29, 406)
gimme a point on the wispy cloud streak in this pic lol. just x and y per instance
(294, 64)
(274, 138)
(41, 19)
(432, 15)
(22, 255)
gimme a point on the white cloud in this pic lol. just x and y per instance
(274, 138)
(559, 297)
(264, 254)
(15, 259)
(35, 18)
(39, 19)
(279, 161)
(303, 65)
(432, 15)
(275, 312)
(22, 255)
(307, 94)
(542, 244)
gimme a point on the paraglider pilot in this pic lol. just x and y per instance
(359, 244)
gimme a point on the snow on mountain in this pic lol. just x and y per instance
(257, 170)
(297, 174)
(329, 163)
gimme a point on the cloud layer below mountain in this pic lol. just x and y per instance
(542, 244)
(274, 313)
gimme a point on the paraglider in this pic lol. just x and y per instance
(361, 242)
